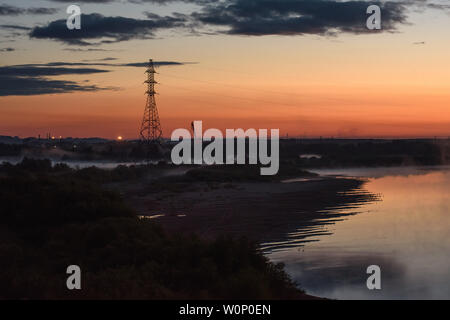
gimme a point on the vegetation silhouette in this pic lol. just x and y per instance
(332, 152)
(53, 216)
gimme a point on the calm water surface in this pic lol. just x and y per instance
(407, 234)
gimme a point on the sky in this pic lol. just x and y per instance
(307, 67)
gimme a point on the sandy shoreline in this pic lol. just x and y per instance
(261, 211)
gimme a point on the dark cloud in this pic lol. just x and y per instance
(84, 1)
(85, 50)
(13, 32)
(107, 59)
(296, 17)
(33, 70)
(199, 2)
(236, 17)
(29, 86)
(7, 10)
(105, 29)
(162, 2)
(429, 4)
(14, 27)
(138, 1)
(156, 63)
(134, 1)
(33, 79)
(26, 80)
(58, 68)
(439, 6)
(420, 3)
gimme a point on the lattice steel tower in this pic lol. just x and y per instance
(151, 126)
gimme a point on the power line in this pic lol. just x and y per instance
(243, 88)
(273, 103)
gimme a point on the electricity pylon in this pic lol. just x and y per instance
(151, 131)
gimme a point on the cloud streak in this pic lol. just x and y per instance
(29, 86)
(53, 68)
(7, 10)
(27, 80)
(14, 27)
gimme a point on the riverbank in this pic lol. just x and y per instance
(260, 211)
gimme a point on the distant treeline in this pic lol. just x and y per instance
(329, 152)
(10, 150)
(84, 151)
(53, 216)
(365, 153)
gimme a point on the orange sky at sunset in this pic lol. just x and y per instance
(370, 85)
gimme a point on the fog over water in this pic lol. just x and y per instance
(82, 164)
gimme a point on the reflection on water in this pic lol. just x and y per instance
(379, 172)
(406, 234)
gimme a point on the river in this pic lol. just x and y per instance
(406, 234)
